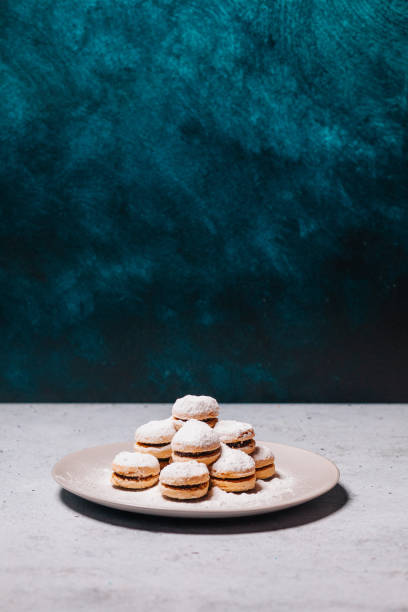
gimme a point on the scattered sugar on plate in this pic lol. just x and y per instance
(266, 493)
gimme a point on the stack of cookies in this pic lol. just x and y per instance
(191, 450)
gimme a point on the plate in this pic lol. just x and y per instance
(301, 476)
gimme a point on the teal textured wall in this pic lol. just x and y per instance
(205, 197)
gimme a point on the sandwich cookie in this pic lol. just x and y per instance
(135, 470)
(195, 440)
(199, 407)
(185, 480)
(236, 435)
(264, 462)
(234, 471)
(154, 438)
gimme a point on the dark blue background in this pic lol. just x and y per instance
(205, 197)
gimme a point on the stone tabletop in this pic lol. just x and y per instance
(345, 551)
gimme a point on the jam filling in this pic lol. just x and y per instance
(199, 454)
(202, 485)
(134, 477)
(209, 420)
(239, 444)
(148, 445)
(242, 479)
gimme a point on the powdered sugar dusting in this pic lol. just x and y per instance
(195, 433)
(285, 488)
(195, 405)
(183, 469)
(127, 459)
(233, 460)
(266, 493)
(156, 431)
(262, 452)
(228, 431)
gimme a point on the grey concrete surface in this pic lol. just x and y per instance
(344, 551)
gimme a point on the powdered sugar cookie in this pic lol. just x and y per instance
(234, 471)
(198, 407)
(184, 480)
(154, 438)
(135, 470)
(195, 440)
(264, 462)
(236, 435)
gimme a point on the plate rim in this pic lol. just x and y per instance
(193, 512)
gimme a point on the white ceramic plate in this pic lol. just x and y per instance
(302, 476)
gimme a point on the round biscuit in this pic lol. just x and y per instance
(194, 493)
(265, 472)
(162, 452)
(234, 486)
(135, 464)
(197, 407)
(259, 463)
(234, 431)
(133, 483)
(156, 432)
